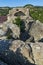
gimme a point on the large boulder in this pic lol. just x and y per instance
(19, 53)
(28, 23)
(2, 33)
(37, 49)
(3, 30)
(16, 31)
(20, 47)
(36, 30)
(13, 27)
(16, 53)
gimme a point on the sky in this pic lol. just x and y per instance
(14, 3)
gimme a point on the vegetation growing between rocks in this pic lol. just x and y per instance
(19, 23)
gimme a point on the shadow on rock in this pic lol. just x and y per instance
(24, 36)
(23, 33)
(41, 40)
(10, 57)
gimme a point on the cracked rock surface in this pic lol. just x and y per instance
(16, 53)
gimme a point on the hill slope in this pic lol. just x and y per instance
(4, 11)
(36, 12)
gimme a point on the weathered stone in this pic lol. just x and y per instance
(22, 12)
(28, 22)
(14, 28)
(2, 33)
(36, 30)
(16, 52)
(3, 30)
(31, 39)
(22, 48)
(37, 49)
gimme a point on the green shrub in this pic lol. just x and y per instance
(18, 21)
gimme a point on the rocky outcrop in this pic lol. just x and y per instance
(3, 30)
(20, 47)
(37, 49)
(36, 30)
(2, 33)
(16, 53)
(26, 44)
(19, 53)
(13, 27)
(15, 30)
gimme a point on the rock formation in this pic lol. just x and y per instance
(36, 30)
(25, 47)
(38, 52)
(16, 52)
